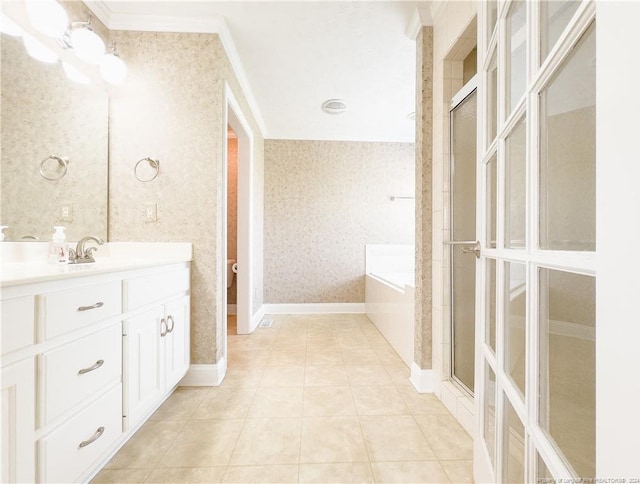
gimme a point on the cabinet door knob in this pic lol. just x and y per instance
(170, 328)
(163, 331)
(95, 366)
(93, 306)
(93, 438)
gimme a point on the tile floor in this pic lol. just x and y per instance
(312, 399)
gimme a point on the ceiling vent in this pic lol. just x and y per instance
(334, 106)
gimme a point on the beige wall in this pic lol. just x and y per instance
(324, 201)
(172, 108)
(423, 190)
(232, 210)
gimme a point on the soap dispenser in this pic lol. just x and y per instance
(58, 250)
(2, 234)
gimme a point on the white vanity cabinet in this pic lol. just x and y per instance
(17, 423)
(17, 389)
(79, 374)
(84, 350)
(142, 358)
(156, 340)
(176, 343)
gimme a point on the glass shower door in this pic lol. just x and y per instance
(462, 225)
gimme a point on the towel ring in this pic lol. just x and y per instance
(63, 162)
(155, 164)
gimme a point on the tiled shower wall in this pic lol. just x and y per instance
(454, 36)
(172, 108)
(324, 201)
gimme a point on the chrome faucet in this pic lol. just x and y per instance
(81, 255)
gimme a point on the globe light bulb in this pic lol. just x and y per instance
(73, 74)
(39, 51)
(48, 17)
(87, 45)
(9, 27)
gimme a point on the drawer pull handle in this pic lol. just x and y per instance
(163, 331)
(95, 366)
(94, 306)
(170, 318)
(93, 438)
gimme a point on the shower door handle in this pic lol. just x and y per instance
(468, 246)
(472, 249)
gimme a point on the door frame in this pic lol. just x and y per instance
(234, 117)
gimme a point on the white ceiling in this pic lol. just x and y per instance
(297, 54)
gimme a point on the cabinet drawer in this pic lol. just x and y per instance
(79, 369)
(17, 323)
(68, 452)
(141, 291)
(67, 310)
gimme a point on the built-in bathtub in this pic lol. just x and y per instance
(390, 294)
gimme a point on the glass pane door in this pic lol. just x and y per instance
(463, 235)
(536, 291)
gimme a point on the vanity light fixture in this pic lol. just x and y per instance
(39, 51)
(86, 44)
(112, 68)
(48, 17)
(9, 27)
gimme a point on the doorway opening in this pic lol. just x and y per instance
(238, 153)
(232, 231)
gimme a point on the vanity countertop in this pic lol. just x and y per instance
(26, 265)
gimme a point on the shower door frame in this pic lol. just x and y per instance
(458, 99)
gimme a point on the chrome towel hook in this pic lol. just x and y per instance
(155, 164)
(63, 162)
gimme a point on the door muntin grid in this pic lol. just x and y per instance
(542, 456)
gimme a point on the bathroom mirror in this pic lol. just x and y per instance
(54, 160)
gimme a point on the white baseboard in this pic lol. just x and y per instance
(460, 404)
(314, 308)
(425, 381)
(232, 309)
(256, 318)
(205, 375)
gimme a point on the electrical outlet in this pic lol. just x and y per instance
(149, 212)
(66, 212)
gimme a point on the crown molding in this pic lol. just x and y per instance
(236, 64)
(436, 10)
(99, 9)
(198, 25)
(421, 18)
(414, 25)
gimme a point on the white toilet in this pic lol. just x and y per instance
(232, 268)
